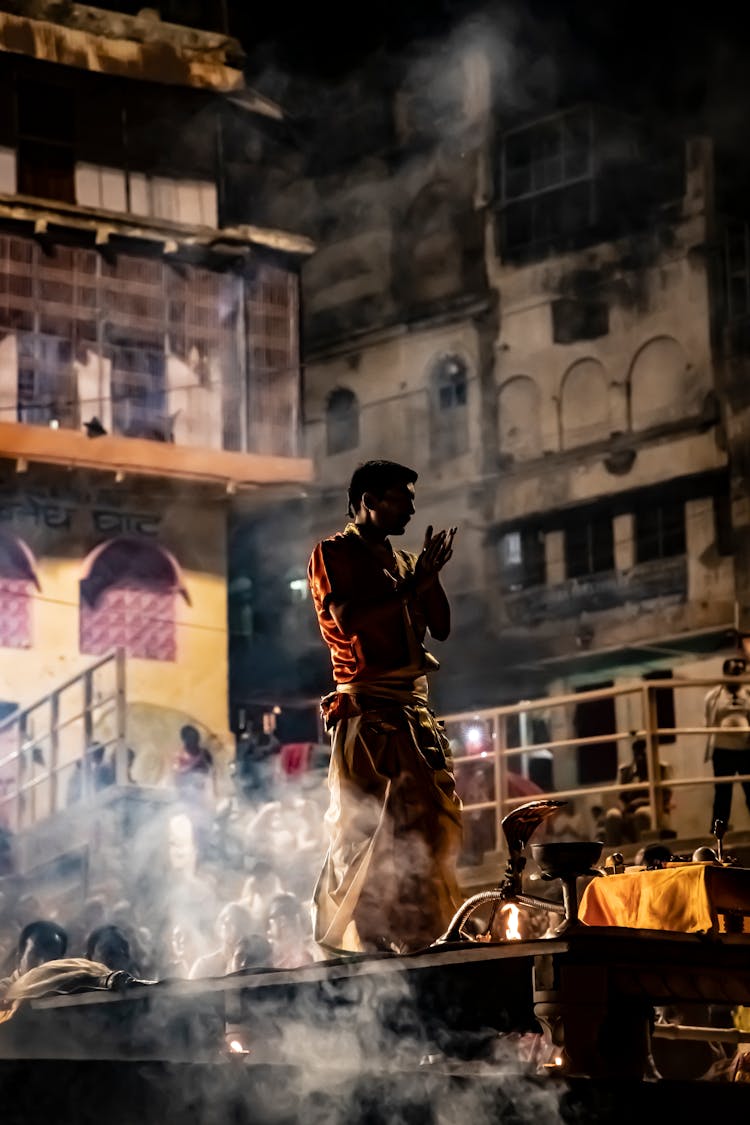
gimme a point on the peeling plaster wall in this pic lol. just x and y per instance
(557, 483)
(390, 380)
(643, 387)
(551, 425)
(654, 364)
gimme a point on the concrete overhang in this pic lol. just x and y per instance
(112, 43)
(127, 457)
(719, 638)
(104, 225)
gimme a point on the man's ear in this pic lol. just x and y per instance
(369, 499)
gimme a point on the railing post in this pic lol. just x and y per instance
(121, 748)
(54, 748)
(88, 735)
(500, 730)
(23, 731)
(651, 727)
(88, 706)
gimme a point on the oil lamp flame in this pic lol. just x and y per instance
(512, 915)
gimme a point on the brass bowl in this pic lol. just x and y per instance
(565, 859)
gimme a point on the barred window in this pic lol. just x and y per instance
(660, 530)
(136, 618)
(449, 387)
(128, 600)
(522, 559)
(17, 582)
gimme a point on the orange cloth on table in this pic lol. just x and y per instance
(675, 898)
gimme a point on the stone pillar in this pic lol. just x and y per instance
(618, 408)
(554, 554)
(623, 532)
(700, 534)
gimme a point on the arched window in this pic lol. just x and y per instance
(128, 594)
(342, 421)
(17, 581)
(449, 386)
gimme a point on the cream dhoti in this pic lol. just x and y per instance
(394, 822)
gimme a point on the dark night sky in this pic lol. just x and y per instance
(675, 51)
(681, 57)
(684, 65)
(670, 50)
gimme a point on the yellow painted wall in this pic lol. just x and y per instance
(161, 695)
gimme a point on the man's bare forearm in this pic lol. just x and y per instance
(437, 611)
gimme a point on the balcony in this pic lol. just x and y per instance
(126, 456)
(660, 578)
(141, 364)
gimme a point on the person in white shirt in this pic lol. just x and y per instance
(728, 706)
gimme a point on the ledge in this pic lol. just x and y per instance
(140, 457)
(159, 56)
(105, 224)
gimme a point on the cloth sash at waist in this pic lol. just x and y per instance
(406, 692)
(354, 698)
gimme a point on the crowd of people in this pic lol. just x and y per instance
(235, 885)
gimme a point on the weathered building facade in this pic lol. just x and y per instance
(149, 370)
(532, 311)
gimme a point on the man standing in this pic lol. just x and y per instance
(728, 707)
(394, 820)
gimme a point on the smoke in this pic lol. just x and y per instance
(366, 1045)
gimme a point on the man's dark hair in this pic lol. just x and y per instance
(107, 937)
(730, 663)
(377, 477)
(261, 868)
(253, 952)
(190, 737)
(47, 936)
(96, 752)
(285, 905)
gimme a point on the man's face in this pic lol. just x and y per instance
(30, 958)
(181, 845)
(736, 667)
(392, 512)
(226, 928)
(278, 928)
(179, 943)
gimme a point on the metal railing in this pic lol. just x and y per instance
(56, 738)
(505, 756)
